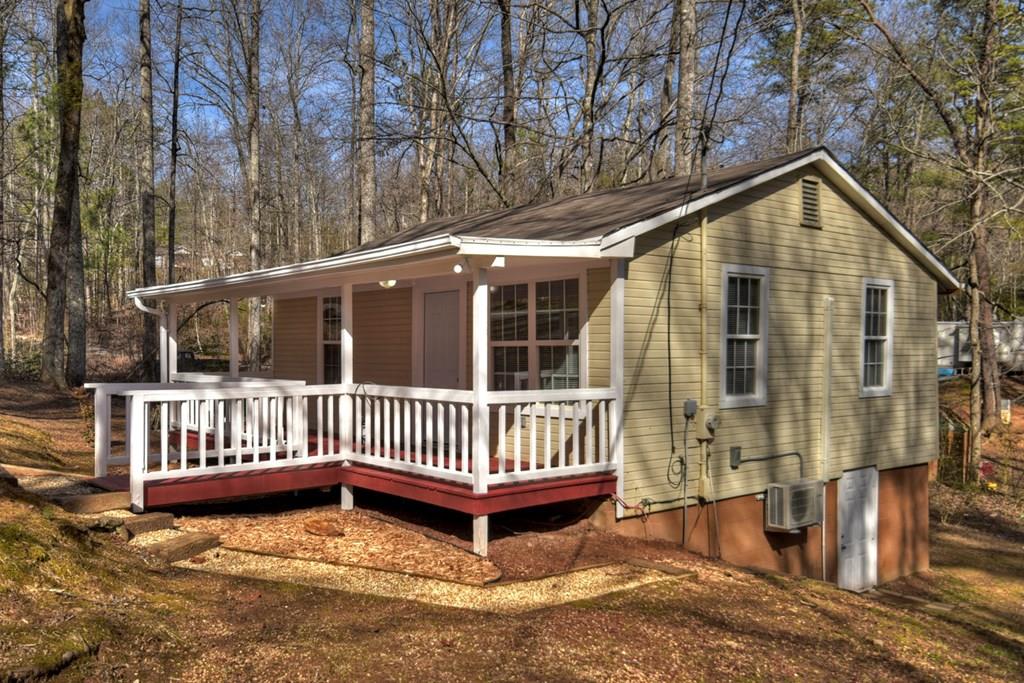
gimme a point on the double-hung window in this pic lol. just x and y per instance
(876, 338)
(330, 338)
(744, 357)
(535, 335)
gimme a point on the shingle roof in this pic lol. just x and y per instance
(585, 216)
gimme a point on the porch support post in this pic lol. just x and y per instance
(347, 431)
(172, 340)
(618, 374)
(164, 362)
(233, 337)
(481, 411)
(137, 450)
(480, 535)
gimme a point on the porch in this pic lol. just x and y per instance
(473, 430)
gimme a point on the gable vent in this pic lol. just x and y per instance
(810, 203)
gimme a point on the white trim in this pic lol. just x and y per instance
(760, 397)
(617, 377)
(233, 337)
(832, 170)
(172, 340)
(481, 373)
(890, 317)
(490, 246)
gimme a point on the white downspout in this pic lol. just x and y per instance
(162, 321)
(826, 425)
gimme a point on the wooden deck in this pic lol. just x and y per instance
(213, 487)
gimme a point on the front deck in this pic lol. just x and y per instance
(189, 442)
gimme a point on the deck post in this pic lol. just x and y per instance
(233, 337)
(101, 437)
(617, 348)
(481, 411)
(137, 449)
(172, 340)
(347, 431)
(480, 535)
(162, 349)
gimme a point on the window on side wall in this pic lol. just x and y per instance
(876, 338)
(330, 325)
(535, 335)
(744, 357)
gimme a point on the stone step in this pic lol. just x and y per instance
(91, 503)
(183, 546)
(150, 521)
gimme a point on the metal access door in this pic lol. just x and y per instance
(858, 529)
(441, 339)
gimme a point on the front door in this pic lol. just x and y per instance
(441, 339)
(858, 529)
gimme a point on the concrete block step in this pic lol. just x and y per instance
(91, 503)
(184, 546)
(150, 521)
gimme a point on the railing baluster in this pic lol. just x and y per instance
(590, 432)
(386, 428)
(256, 410)
(452, 439)
(517, 439)
(164, 445)
(319, 425)
(274, 419)
(547, 434)
(602, 428)
(406, 428)
(304, 425)
(183, 440)
(417, 445)
(502, 437)
(218, 432)
(561, 434)
(465, 437)
(439, 413)
(202, 434)
(533, 436)
(428, 409)
(575, 433)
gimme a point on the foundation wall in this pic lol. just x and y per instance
(902, 530)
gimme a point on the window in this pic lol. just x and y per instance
(535, 335)
(744, 330)
(810, 202)
(876, 333)
(330, 312)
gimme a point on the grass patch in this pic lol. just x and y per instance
(25, 445)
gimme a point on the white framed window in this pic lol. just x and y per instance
(330, 339)
(876, 337)
(744, 337)
(535, 335)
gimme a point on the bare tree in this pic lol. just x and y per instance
(794, 124)
(147, 209)
(70, 39)
(687, 41)
(367, 154)
(172, 174)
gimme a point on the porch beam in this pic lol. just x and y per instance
(618, 374)
(233, 337)
(481, 411)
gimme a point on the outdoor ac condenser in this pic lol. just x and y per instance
(793, 505)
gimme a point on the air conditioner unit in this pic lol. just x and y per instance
(793, 505)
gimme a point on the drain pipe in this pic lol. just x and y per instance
(162, 318)
(826, 423)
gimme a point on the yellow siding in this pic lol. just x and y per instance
(294, 352)
(598, 325)
(762, 228)
(382, 336)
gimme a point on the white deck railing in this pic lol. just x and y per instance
(200, 428)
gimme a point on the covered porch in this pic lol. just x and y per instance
(479, 382)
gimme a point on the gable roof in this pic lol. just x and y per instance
(593, 225)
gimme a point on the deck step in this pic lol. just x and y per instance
(184, 546)
(91, 503)
(150, 521)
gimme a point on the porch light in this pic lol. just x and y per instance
(461, 266)
(388, 284)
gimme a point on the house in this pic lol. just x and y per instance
(701, 354)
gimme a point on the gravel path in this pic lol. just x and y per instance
(523, 596)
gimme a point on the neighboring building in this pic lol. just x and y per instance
(775, 325)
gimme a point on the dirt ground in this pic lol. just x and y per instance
(85, 605)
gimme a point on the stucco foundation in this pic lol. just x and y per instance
(902, 530)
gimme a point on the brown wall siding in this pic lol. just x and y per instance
(902, 530)
(294, 350)
(762, 228)
(382, 336)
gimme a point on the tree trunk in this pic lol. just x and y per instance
(70, 38)
(508, 113)
(793, 122)
(252, 104)
(172, 178)
(4, 18)
(75, 367)
(150, 342)
(367, 124)
(590, 78)
(660, 161)
(685, 86)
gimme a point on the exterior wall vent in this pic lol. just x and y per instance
(793, 505)
(810, 202)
